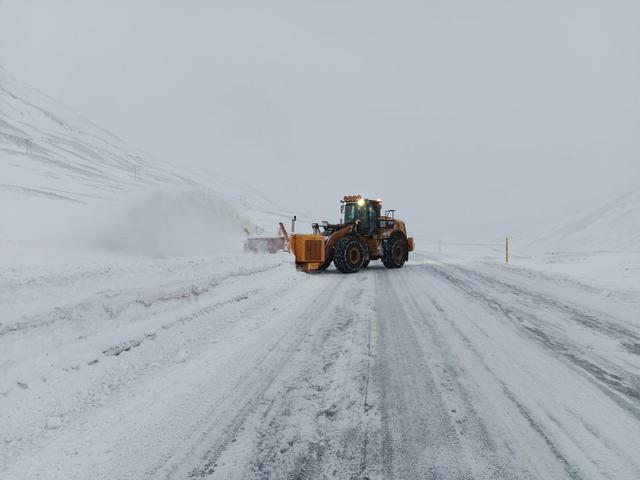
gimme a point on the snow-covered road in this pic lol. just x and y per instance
(239, 367)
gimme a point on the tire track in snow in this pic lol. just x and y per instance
(433, 428)
(200, 458)
(605, 373)
(308, 417)
(420, 438)
(570, 470)
(598, 321)
(602, 454)
(331, 387)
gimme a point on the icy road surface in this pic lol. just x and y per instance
(237, 367)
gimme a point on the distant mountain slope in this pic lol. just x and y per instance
(613, 227)
(48, 151)
(53, 161)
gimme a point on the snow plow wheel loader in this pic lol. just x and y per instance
(362, 235)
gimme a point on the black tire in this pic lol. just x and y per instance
(394, 251)
(349, 254)
(366, 263)
(326, 264)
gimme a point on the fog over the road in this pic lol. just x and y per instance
(457, 113)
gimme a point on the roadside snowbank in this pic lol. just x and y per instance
(610, 271)
(74, 336)
(611, 275)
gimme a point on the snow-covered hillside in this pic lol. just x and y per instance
(74, 181)
(50, 152)
(613, 227)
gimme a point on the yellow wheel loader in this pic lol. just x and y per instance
(362, 235)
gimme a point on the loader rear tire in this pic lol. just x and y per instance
(349, 254)
(394, 251)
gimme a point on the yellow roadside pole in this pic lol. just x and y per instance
(506, 250)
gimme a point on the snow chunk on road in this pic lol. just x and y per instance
(181, 356)
(53, 423)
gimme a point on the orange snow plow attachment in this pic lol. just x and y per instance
(266, 243)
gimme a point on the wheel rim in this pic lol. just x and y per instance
(354, 255)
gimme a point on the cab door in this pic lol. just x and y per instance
(368, 220)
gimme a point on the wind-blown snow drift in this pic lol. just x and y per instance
(171, 222)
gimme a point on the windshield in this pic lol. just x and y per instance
(353, 212)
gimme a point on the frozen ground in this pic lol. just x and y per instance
(236, 366)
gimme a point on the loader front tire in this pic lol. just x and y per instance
(326, 264)
(349, 254)
(394, 251)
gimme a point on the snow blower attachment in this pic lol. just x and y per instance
(362, 235)
(266, 243)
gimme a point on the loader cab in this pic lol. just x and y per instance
(366, 212)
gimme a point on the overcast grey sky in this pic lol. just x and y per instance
(454, 112)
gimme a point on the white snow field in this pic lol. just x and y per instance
(236, 366)
(137, 343)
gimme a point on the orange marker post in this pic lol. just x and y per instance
(506, 250)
